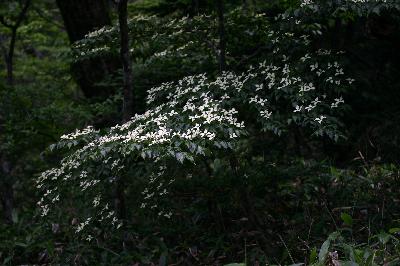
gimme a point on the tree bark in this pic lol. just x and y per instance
(7, 190)
(81, 17)
(9, 55)
(127, 108)
(6, 180)
(245, 5)
(221, 32)
(194, 8)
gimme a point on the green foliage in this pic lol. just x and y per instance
(254, 165)
(382, 248)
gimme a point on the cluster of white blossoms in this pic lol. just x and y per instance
(99, 32)
(195, 116)
(162, 38)
(79, 133)
(369, 1)
(95, 51)
(314, 3)
(187, 118)
(306, 2)
(157, 188)
(190, 122)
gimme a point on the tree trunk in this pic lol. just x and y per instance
(194, 8)
(81, 17)
(9, 65)
(245, 4)
(7, 190)
(9, 55)
(126, 61)
(221, 32)
(127, 108)
(6, 180)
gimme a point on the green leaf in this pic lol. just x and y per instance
(20, 244)
(7, 260)
(14, 216)
(347, 219)
(383, 237)
(369, 257)
(394, 230)
(349, 263)
(323, 252)
(180, 156)
(394, 262)
(200, 150)
(333, 236)
(313, 256)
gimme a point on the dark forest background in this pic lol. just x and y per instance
(280, 196)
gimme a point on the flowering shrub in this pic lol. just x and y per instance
(291, 85)
(188, 125)
(154, 40)
(348, 8)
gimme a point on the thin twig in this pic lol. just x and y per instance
(287, 249)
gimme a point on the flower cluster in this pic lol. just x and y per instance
(193, 117)
(311, 2)
(160, 39)
(79, 133)
(189, 124)
(361, 7)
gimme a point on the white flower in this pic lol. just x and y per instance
(305, 57)
(337, 102)
(298, 109)
(320, 119)
(314, 66)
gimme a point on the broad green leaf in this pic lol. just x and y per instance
(323, 252)
(347, 219)
(383, 237)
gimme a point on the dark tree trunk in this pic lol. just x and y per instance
(7, 190)
(81, 17)
(254, 4)
(10, 70)
(127, 108)
(6, 180)
(10, 57)
(194, 8)
(221, 32)
(245, 5)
